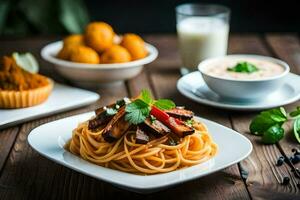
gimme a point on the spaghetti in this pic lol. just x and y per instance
(157, 156)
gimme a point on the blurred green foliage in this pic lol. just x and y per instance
(28, 17)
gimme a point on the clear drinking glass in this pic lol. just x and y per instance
(202, 31)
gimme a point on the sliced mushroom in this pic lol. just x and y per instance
(116, 127)
(181, 129)
(141, 137)
(155, 127)
(181, 113)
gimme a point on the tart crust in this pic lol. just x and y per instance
(26, 98)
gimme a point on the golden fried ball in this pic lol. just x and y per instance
(99, 36)
(75, 39)
(116, 54)
(66, 51)
(85, 55)
(135, 45)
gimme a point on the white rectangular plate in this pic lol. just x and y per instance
(49, 140)
(62, 98)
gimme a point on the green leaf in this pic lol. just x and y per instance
(73, 15)
(295, 113)
(146, 96)
(243, 67)
(273, 134)
(152, 119)
(4, 9)
(297, 129)
(111, 111)
(189, 122)
(164, 104)
(266, 119)
(137, 111)
(42, 16)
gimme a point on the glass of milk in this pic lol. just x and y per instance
(202, 32)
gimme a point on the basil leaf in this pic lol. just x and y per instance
(137, 111)
(243, 67)
(297, 129)
(273, 134)
(146, 96)
(266, 119)
(295, 113)
(164, 104)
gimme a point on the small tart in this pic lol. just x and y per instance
(25, 98)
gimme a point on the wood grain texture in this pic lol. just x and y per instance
(264, 177)
(287, 48)
(27, 175)
(7, 139)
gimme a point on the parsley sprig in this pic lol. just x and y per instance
(138, 110)
(243, 67)
(268, 124)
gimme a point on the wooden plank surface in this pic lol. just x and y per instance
(264, 177)
(26, 175)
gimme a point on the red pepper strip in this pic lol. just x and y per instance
(161, 115)
(179, 127)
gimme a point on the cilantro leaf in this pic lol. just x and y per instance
(164, 104)
(243, 67)
(146, 96)
(266, 119)
(137, 111)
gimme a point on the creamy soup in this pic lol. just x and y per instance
(219, 68)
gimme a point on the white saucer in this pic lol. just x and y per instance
(193, 87)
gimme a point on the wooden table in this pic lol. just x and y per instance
(24, 174)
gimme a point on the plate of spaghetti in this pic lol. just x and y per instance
(140, 144)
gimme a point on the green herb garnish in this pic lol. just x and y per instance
(164, 104)
(189, 122)
(268, 124)
(273, 134)
(243, 67)
(111, 111)
(138, 110)
(152, 119)
(295, 113)
(114, 110)
(297, 129)
(266, 119)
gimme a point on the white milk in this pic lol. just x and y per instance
(201, 38)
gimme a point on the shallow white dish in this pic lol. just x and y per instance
(193, 87)
(247, 88)
(49, 140)
(62, 98)
(89, 74)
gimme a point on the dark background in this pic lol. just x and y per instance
(56, 17)
(158, 16)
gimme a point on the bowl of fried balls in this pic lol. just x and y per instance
(99, 55)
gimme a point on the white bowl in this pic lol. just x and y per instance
(91, 74)
(244, 89)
